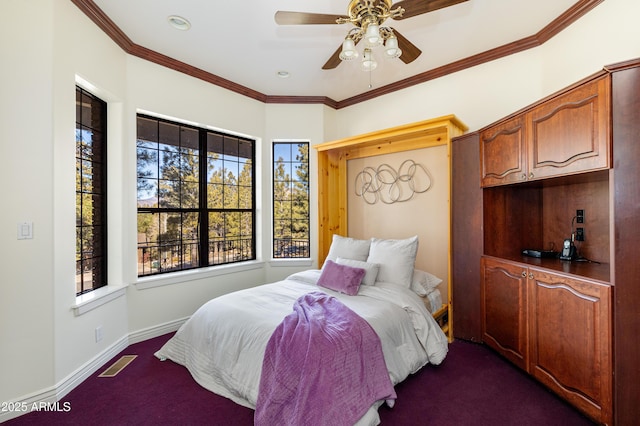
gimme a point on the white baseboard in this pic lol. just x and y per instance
(156, 330)
(73, 380)
(15, 409)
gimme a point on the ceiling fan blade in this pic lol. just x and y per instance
(302, 18)
(418, 7)
(409, 50)
(334, 60)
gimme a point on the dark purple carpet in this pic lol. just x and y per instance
(473, 386)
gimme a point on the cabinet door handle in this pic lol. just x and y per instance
(524, 274)
(531, 175)
(524, 176)
(530, 275)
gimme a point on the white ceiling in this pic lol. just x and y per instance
(240, 41)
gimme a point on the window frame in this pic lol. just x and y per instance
(202, 209)
(98, 262)
(295, 251)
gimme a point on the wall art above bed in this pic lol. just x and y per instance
(388, 185)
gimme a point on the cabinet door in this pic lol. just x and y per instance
(503, 153)
(570, 134)
(570, 340)
(504, 309)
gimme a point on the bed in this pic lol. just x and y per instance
(223, 343)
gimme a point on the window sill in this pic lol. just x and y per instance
(90, 301)
(279, 263)
(195, 274)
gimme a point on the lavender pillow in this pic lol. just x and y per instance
(342, 278)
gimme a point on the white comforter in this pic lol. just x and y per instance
(223, 343)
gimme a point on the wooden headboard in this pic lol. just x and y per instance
(332, 170)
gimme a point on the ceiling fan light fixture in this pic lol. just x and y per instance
(367, 18)
(391, 47)
(349, 51)
(368, 61)
(372, 35)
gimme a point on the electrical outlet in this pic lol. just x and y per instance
(579, 234)
(98, 334)
(580, 216)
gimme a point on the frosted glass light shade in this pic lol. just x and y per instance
(391, 47)
(372, 36)
(368, 61)
(349, 51)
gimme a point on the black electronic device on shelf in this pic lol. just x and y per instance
(540, 253)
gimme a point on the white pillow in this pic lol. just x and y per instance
(397, 259)
(348, 248)
(423, 282)
(370, 268)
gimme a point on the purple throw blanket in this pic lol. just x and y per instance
(323, 365)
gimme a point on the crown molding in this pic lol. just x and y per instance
(621, 66)
(89, 8)
(93, 12)
(272, 99)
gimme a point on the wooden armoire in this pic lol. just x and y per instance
(518, 184)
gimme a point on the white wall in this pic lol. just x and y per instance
(292, 122)
(74, 337)
(26, 148)
(169, 93)
(47, 43)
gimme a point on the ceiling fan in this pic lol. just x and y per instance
(367, 16)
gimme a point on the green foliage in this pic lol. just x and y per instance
(169, 178)
(291, 197)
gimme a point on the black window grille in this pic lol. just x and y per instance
(91, 192)
(290, 200)
(195, 197)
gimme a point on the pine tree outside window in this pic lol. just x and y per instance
(195, 197)
(91, 192)
(291, 200)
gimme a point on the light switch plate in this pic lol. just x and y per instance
(25, 230)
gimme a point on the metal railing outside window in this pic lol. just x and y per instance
(195, 195)
(290, 200)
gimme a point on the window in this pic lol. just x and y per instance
(91, 192)
(290, 200)
(195, 197)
